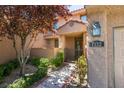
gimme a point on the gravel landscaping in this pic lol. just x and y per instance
(74, 83)
(63, 77)
(58, 78)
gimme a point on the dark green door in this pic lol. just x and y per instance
(78, 47)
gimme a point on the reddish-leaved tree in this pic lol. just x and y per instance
(24, 23)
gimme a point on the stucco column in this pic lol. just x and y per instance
(62, 42)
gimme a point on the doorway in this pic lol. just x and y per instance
(119, 57)
(78, 47)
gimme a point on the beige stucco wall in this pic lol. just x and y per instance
(101, 59)
(43, 47)
(7, 51)
(62, 41)
(40, 48)
(40, 41)
(50, 43)
(97, 63)
(76, 28)
(38, 52)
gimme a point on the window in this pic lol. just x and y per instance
(84, 18)
(56, 43)
(55, 25)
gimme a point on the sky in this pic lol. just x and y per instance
(75, 7)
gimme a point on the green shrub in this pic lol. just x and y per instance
(15, 63)
(35, 61)
(61, 56)
(27, 81)
(19, 83)
(40, 62)
(41, 72)
(44, 62)
(1, 73)
(55, 62)
(1, 70)
(6, 69)
(81, 66)
(10, 66)
(58, 60)
(22, 82)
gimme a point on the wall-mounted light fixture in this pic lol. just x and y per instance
(94, 29)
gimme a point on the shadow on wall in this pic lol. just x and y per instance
(7, 51)
(49, 52)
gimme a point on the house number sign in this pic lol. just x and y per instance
(96, 43)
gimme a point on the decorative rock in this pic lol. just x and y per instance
(57, 78)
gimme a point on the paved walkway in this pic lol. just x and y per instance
(57, 78)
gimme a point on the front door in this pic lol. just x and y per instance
(78, 47)
(119, 57)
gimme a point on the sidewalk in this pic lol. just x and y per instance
(57, 79)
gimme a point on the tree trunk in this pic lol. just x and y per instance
(24, 53)
(22, 70)
(23, 58)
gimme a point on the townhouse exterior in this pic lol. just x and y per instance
(70, 37)
(103, 48)
(106, 61)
